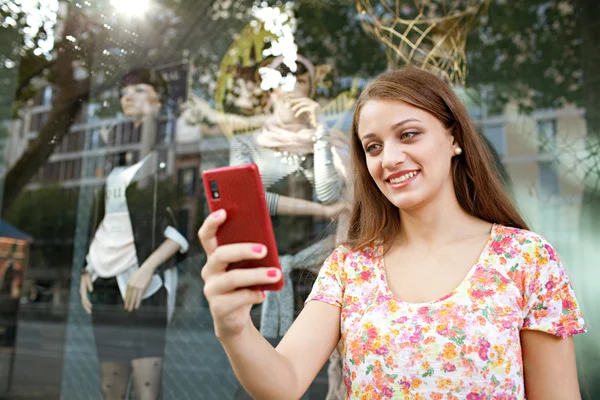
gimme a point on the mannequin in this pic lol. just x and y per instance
(302, 170)
(129, 283)
(302, 167)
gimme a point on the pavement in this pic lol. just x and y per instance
(55, 359)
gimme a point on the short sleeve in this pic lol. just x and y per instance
(174, 235)
(328, 287)
(550, 303)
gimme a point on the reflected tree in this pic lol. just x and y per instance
(93, 46)
(542, 55)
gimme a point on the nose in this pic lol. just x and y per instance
(126, 96)
(393, 156)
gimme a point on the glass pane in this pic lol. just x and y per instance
(110, 111)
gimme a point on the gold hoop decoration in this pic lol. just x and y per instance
(244, 54)
(428, 34)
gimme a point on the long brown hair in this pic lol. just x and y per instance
(476, 179)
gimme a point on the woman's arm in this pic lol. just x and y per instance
(285, 372)
(265, 372)
(549, 367)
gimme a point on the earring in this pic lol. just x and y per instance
(458, 151)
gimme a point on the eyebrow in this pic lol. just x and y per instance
(394, 127)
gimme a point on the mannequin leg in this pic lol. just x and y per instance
(115, 378)
(147, 378)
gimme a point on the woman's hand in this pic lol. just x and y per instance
(306, 106)
(85, 288)
(136, 287)
(227, 292)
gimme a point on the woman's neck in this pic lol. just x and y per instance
(438, 222)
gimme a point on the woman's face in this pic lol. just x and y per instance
(408, 153)
(139, 100)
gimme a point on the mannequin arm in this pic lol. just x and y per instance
(139, 281)
(165, 251)
(197, 108)
(292, 206)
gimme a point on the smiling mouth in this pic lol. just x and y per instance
(404, 179)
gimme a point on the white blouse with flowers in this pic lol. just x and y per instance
(465, 345)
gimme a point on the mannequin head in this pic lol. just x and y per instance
(142, 91)
(307, 77)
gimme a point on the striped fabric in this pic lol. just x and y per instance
(323, 176)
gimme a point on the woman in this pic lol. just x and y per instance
(441, 291)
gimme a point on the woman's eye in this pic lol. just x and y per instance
(371, 148)
(408, 135)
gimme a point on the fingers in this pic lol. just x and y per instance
(84, 289)
(85, 300)
(208, 231)
(240, 278)
(301, 111)
(227, 303)
(222, 256)
(87, 304)
(128, 294)
(138, 300)
(130, 297)
(294, 102)
(88, 282)
(133, 298)
(129, 301)
(307, 106)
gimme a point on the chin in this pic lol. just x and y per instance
(407, 202)
(131, 112)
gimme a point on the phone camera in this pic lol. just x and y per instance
(214, 190)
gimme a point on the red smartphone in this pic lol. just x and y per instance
(240, 192)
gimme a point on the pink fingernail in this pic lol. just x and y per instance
(217, 214)
(272, 273)
(263, 295)
(257, 248)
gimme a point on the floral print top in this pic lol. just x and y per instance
(464, 345)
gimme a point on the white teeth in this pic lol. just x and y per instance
(404, 177)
